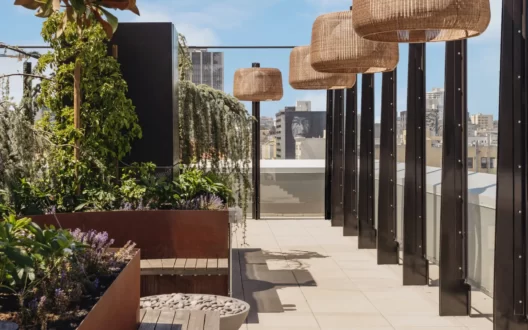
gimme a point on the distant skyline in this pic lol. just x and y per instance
(278, 22)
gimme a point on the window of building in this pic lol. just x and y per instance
(470, 162)
(492, 162)
(484, 162)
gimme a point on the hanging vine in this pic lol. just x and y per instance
(215, 131)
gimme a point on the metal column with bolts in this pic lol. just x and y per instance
(454, 292)
(415, 264)
(388, 248)
(329, 153)
(367, 232)
(255, 107)
(510, 287)
(338, 138)
(350, 227)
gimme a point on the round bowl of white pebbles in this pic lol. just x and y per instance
(233, 312)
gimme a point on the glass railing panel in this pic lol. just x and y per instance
(292, 188)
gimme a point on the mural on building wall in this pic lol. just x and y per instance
(307, 124)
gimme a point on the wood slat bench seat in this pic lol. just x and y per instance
(183, 266)
(179, 320)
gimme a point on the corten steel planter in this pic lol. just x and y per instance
(118, 308)
(159, 234)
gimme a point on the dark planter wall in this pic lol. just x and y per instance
(148, 55)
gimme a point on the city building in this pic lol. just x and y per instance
(267, 123)
(268, 149)
(434, 111)
(208, 68)
(310, 148)
(294, 122)
(482, 121)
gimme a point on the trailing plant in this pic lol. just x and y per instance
(215, 134)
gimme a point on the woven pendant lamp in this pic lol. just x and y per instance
(303, 76)
(420, 20)
(258, 84)
(336, 48)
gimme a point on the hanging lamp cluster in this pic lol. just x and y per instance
(303, 76)
(364, 40)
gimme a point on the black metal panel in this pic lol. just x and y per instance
(351, 225)
(255, 112)
(454, 292)
(367, 233)
(415, 265)
(329, 153)
(510, 228)
(338, 138)
(388, 250)
(148, 55)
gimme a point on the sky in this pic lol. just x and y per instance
(277, 23)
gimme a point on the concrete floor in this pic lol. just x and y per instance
(303, 274)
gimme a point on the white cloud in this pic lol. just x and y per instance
(318, 99)
(196, 35)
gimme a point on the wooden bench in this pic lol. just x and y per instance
(185, 267)
(179, 320)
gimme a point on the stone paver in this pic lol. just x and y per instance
(303, 274)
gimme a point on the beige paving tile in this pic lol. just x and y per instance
(285, 320)
(346, 320)
(335, 286)
(422, 321)
(293, 300)
(431, 328)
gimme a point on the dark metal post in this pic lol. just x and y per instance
(509, 293)
(454, 292)
(388, 253)
(329, 153)
(350, 181)
(367, 232)
(256, 156)
(415, 265)
(338, 136)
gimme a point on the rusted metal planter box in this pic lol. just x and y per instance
(159, 234)
(162, 235)
(118, 308)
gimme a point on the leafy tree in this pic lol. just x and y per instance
(108, 120)
(81, 12)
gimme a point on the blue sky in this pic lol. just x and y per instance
(276, 22)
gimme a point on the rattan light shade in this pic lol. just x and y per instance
(303, 76)
(258, 84)
(336, 48)
(420, 20)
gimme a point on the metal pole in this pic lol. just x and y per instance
(454, 292)
(256, 156)
(367, 232)
(415, 265)
(329, 153)
(388, 249)
(509, 293)
(338, 138)
(351, 225)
